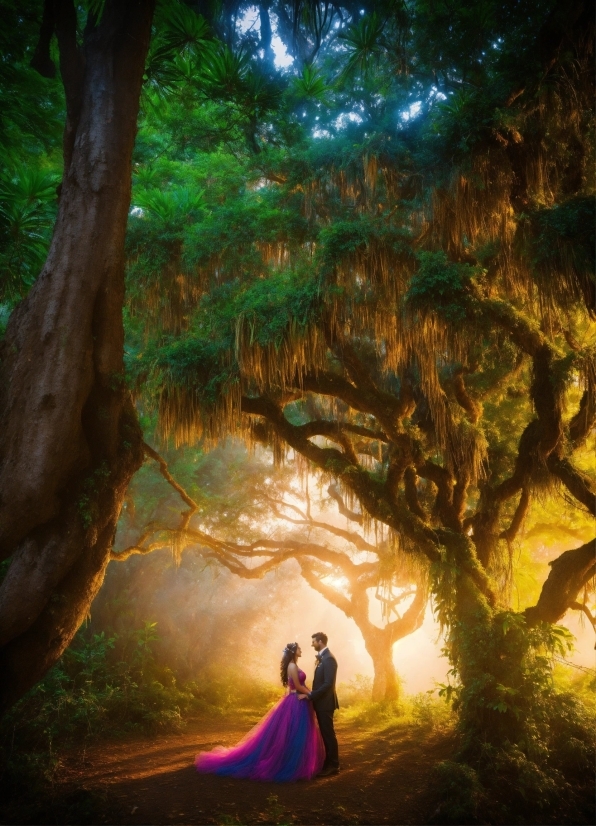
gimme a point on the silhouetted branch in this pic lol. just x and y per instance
(568, 575)
(518, 517)
(334, 493)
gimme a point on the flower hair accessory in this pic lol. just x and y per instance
(290, 648)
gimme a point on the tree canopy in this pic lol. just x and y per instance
(398, 287)
(377, 260)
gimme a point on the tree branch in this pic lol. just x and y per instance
(569, 574)
(412, 618)
(71, 71)
(584, 420)
(411, 493)
(579, 606)
(41, 60)
(331, 594)
(163, 469)
(518, 517)
(354, 539)
(342, 507)
(465, 401)
(371, 492)
(577, 483)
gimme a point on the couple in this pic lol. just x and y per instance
(287, 744)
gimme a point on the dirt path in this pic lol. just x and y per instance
(384, 779)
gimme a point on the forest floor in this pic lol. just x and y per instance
(385, 778)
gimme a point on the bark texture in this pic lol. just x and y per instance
(70, 440)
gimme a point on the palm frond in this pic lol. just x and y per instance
(173, 205)
(364, 44)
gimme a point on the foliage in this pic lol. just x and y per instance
(107, 685)
(536, 741)
(440, 285)
(31, 114)
(425, 710)
(400, 212)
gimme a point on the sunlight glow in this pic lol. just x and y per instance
(337, 582)
(250, 20)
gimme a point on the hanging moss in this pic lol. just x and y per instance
(560, 244)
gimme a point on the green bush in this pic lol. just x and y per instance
(459, 791)
(430, 712)
(355, 691)
(102, 687)
(424, 710)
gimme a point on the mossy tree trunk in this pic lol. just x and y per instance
(70, 441)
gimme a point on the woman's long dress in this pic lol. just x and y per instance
(285, 745)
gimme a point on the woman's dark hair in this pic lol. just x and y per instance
(287, 657)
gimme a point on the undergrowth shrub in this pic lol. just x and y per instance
(424, 709)
(526, 744)
(104, 687)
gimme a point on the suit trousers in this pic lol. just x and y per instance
(325, 719)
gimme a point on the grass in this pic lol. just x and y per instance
(424, 710)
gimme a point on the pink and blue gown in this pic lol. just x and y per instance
(286, 745)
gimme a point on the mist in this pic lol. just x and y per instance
(210, 621)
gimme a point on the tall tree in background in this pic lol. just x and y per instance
(339, 563)
(70, 441)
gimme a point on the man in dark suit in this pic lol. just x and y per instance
(324, 700)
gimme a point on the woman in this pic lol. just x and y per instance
(285, 745)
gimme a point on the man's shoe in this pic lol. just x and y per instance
(327, 771)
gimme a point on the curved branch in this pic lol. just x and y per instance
(365, 432)
(342, 507)
(330, 594)
(411, 493)
(518, 517)
(163, 469)
(577, 483)
(579, 606)
(371, 492)
(133, 550)
(445, 507)
(568, 575)
(465, 401)
(354, 539)
(412, 618)
(584, 420)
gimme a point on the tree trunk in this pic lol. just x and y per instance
(385, 685)
(379, 643)
(70, 439)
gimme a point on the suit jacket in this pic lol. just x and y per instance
(323, 695)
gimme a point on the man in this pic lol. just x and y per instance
(324, 700)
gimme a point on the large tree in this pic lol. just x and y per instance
(70, 441)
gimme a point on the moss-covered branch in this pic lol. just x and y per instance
(568, 575)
